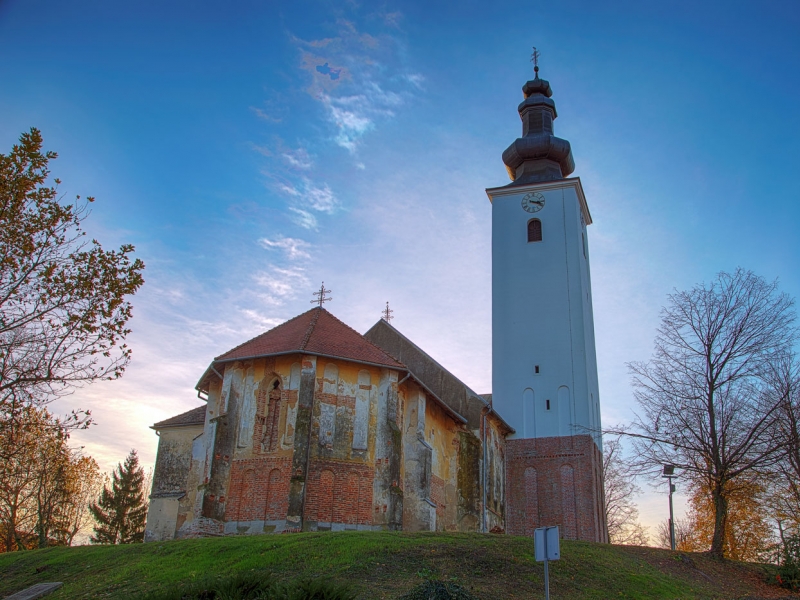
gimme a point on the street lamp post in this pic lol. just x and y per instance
(669, 473)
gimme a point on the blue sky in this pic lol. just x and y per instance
(252, 150)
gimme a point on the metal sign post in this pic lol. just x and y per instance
(546, 548)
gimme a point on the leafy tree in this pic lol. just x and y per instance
(708, 399)
(619, 480)
(122, 510)
(749, 534)
(43, 484)
(86, 485)
(63, 307)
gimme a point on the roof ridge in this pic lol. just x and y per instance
(175, 420)
(311, 326)
(264, 333)
(436, 362)
(361, 335)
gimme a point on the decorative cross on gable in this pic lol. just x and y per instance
(321, 299)
(386, 314)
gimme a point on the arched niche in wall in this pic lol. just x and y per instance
(327, 406)
(294, 377)
(531, 501)
(528, 414)
(361, 417)
(275, 508)
(268, 412)
(564, 411)
(330, 381)
(568, 508)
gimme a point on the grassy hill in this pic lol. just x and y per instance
(387, 565)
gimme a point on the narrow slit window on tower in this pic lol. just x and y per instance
(548, 404)
(536, 369)
(534, 230)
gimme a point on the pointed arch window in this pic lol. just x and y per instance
(534, 230)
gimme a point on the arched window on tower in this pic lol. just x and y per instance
(534, 230)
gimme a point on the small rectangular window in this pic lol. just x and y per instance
(548, 404)
(536, 369)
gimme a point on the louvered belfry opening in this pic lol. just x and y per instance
(534, 230)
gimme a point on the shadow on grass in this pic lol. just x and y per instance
(251, 586)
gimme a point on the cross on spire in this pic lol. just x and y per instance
(386, 313)
(321, 299)
(535, 61)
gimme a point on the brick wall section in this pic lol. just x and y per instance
(259, 489)
(554, 482)
(340, 492)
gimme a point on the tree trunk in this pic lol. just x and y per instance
(720, 521)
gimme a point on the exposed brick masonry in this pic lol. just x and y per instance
(555, 481)
(259, 489)
(340, 492)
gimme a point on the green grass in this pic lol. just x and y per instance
(382, 565)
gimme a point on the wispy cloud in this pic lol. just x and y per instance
(294, 248)
(262, 321)
(298, 158)
(262, 114)
(279, 285)
(308, 198)
(415, 79)
(303, 218)
(355, 77)
(355, 115)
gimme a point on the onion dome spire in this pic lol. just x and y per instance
(538, 155)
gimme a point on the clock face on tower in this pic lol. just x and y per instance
(533, 202)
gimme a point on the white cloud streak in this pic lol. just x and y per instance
(298, 159)
(294, 248)
(279, 284)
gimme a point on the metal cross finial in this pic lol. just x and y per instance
(321, 299)
(386, 315)
(535, 61)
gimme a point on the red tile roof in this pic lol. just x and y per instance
(314, 332)
(196, 416)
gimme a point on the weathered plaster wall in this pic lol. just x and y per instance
(343, 462)
(300, 442)
(419, 510)
(261, 469)
(495, 475)
(170, 481)
(442, 435)
(389, 466)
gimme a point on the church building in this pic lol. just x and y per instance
(312, 426)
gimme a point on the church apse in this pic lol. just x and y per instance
(304, 441)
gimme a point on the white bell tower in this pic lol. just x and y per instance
(544, 367)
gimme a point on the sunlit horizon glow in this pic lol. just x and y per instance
(252, 151)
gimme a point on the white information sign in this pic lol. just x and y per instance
(546, 547)
(546, 544)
